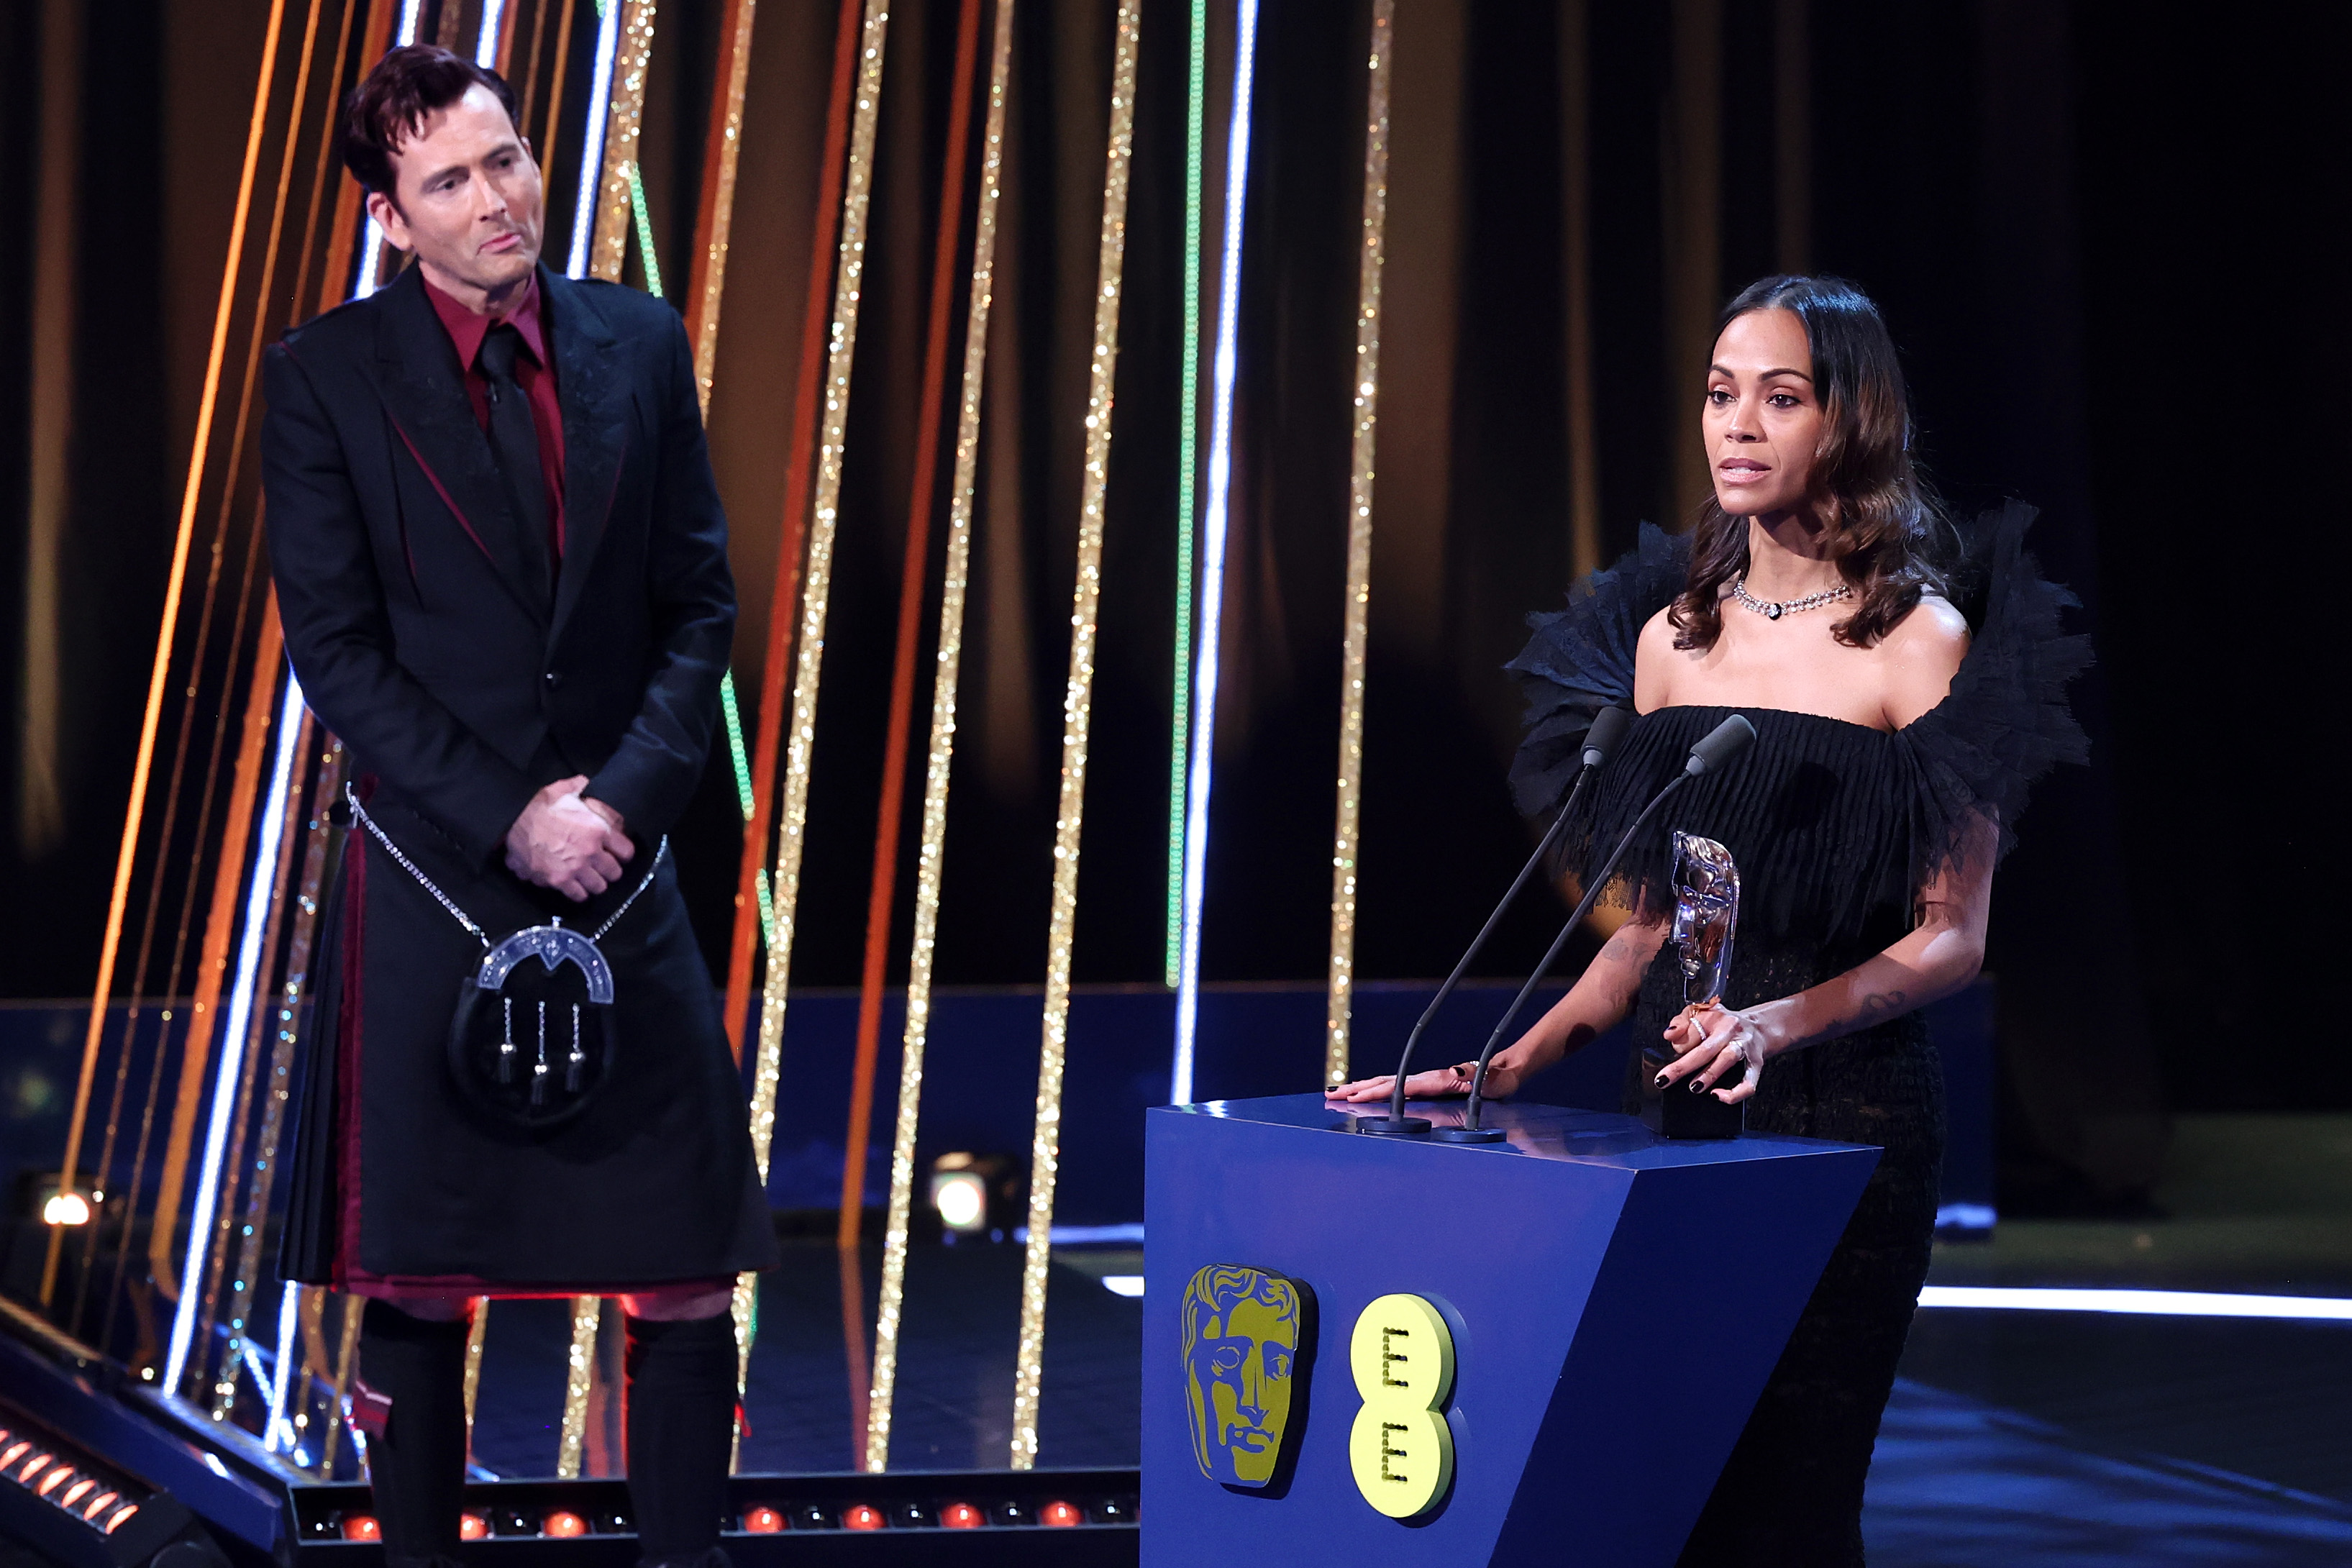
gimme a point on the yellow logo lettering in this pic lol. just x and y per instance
(1401, 1449)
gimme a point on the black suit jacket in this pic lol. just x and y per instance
(401, 583)
(420, 642)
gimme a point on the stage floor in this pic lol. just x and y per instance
(2033, 1439)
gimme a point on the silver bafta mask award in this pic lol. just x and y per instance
(1706, 909)
(1707, 912)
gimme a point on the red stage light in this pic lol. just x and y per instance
(563, 1526)
(858, 1516)
(362, 1527)
(32, 1466)
(51, 1482)
(472, 1526)
(962, 1516)
(117, 1522)
(16, 1450)
(1062, 1514)
(97, 1505)
(76, 1491)
(762, 1521)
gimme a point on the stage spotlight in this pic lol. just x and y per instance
(65, 1208)
(362, 1527)
(976, 1193)
(1061, 1515)
(563, 1525)
(472, 1525)
(860, 1516)
(962, 1516)
(762, 1521)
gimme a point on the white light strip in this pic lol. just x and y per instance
(2158, 1303)
(486, 46)
(1127, 1285)
(288, 1304)
(591, 137)
(371, 236)
(260, 887)
(1213, 552)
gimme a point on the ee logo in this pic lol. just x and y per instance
(1401, 1448)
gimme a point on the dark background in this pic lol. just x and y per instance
(2095, 233)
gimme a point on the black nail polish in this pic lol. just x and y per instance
(1660, 1080)
(1698, 1088)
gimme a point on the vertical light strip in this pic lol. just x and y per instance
(486, 46)
(931, 860)
(610, 227)
(232, 1041)
(579, 1375)
(592, 135)
(624, 41)
(1187, 478)
(801, 745)
(1213, 564)
(645, 230)
(372, 237)
(1078, 712)
(1345, 842)
(126, 855)
(288, 1300)
(477, 1332)
(707, 272)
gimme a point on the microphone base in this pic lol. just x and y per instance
(1395, 1126)
(1468, 1135)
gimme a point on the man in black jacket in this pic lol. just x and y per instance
(501, 567)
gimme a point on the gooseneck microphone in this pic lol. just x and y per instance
(1609, 727)
(1713, 749)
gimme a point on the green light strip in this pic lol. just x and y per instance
(1187, 465)
(743, 798)
(735, 743)
(644, 231)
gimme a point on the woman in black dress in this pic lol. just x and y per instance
(1896, 737)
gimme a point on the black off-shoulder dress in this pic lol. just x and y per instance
(1835, 828)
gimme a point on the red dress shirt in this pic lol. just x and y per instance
(534, 372)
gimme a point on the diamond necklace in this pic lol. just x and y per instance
(1772, 610)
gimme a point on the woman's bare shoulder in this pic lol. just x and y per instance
(1922, 653)
(1653, 661)
(1933, 630)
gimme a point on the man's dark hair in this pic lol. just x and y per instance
(392, 104)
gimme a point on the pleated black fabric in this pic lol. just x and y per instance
(1835, 829)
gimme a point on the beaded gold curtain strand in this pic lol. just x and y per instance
(1078, 705)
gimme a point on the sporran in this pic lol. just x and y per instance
(533, 1035)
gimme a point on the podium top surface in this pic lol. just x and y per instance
(1549, 1133)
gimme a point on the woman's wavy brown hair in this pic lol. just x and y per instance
(1884, 528)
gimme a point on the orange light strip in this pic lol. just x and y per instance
(111, 944)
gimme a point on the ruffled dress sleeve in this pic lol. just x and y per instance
(1581, 660)
(2005, 722)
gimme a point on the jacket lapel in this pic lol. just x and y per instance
(595, 398)
(424, 393)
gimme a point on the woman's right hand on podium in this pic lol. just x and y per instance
(1438, 1083)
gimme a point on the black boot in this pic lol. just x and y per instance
(681, 1429)
(418, 1467)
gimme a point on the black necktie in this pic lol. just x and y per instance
(514, 440)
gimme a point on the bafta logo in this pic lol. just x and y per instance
(1242, 1329)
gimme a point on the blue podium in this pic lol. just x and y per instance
(1613, 1303)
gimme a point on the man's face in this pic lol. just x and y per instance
(470, 205)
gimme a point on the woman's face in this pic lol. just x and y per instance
(1763, 422)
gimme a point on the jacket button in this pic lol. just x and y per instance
(555, 680)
